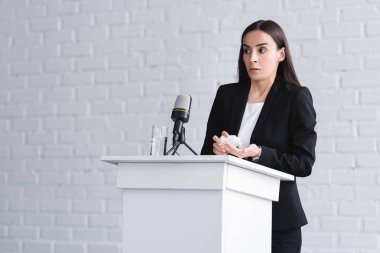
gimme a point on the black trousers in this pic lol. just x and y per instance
(287, 241)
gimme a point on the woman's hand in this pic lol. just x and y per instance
(251, 151)
(225, 148)
(219, 147)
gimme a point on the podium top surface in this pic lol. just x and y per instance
(200, 159)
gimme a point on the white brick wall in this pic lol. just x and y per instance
(80, 79)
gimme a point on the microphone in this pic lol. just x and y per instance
(180, 115)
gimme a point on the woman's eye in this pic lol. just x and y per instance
(262, 50)
(246, 51)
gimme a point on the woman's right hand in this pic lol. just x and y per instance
(219, 146)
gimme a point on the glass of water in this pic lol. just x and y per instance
(158, 140)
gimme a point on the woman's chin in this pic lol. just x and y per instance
(257, 77)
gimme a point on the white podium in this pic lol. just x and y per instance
(196, 204)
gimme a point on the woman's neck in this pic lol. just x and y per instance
(259, 90)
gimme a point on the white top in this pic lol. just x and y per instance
(183, 159)
(251, 114)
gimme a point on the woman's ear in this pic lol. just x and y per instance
(282, 54)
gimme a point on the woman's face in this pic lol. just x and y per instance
(261, 56)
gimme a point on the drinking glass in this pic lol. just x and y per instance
(159, 140)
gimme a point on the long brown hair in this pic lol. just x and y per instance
(285, 68)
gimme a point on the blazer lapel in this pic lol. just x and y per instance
(238, 107)
(266, 111)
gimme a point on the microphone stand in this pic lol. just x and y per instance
(181, 140)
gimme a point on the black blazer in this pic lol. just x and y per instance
(284, 129)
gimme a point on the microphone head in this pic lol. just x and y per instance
(181, 110)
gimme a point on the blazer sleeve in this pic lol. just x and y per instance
(300, 158)
(214, 123)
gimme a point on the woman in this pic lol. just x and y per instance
(273, 115)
